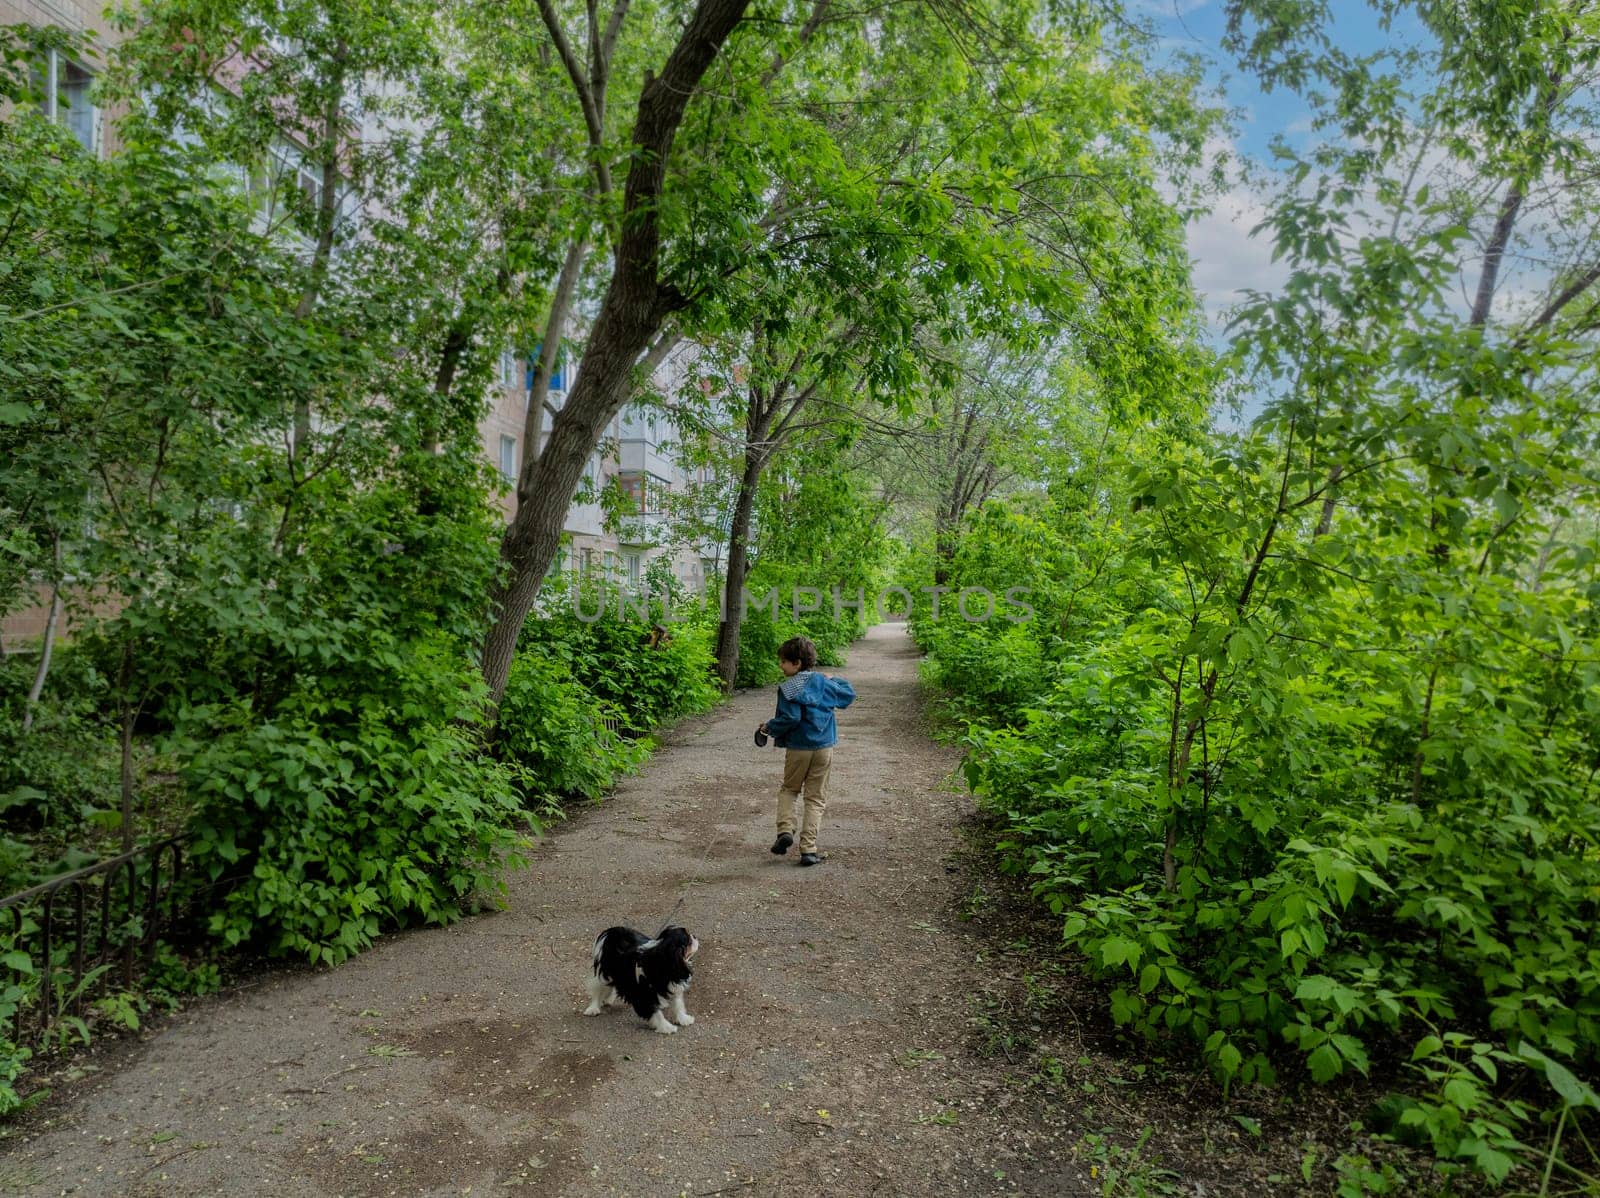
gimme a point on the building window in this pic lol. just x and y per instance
(632, 484)
(633, 571)
(558, 374)
(64, 98)
(307, 177)
(508, 368)
(508, 457)
(286, 167)
(269, 181)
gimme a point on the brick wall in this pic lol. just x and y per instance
(506, 414)
(66, 13)
(24, 628)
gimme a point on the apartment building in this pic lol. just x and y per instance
(65, 83)
(637, 455)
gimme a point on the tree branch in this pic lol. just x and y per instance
(1553, 309)
(813, 22)
(592, 115)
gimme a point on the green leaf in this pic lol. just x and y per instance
(1229, 1059)
(1426, 1047)
(1324, 1063)
(1563, 1081)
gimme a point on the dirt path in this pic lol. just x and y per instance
(832, 1052)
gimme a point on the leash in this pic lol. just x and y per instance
(683, 888)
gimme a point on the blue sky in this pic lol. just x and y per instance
(1198, 26)
(1226, 258)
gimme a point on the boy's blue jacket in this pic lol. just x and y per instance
(806, 704)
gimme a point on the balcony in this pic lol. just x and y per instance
(635, 454)
(645, 531)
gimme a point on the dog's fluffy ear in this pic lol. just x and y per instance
(676, 941)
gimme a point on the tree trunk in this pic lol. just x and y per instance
(45, 650)
(130, 714)
(1178, 771)
(456, 340)
(1423, 732)
(327, 211)
(763, 432)
(555, 328)
(944, 547)
(738, 554)
(546, 488)
(1329, 501)
(633, 309)
(1494, 253)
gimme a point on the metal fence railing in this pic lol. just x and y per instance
(65, 942)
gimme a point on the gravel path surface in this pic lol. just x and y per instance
(833, 1051)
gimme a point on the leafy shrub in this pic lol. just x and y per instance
(13, 1063)
(761, 635)
(831, 630)
(330, 821)
(991, 670)
(293, 623)
(551, 726)
(621, 658)
(173, 974)
(1338, 829)
(56, 774)
(822, 535)
(81, 1003)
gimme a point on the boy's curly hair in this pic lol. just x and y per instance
(799, 649)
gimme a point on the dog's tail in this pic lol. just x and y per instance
(600, 948)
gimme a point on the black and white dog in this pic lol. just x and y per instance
(649, 974)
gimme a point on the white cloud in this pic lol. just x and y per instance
(1226, 259)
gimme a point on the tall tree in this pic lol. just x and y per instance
(636, 302)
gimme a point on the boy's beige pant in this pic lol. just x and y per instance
(805, 771)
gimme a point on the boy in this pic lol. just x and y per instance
(804, 728)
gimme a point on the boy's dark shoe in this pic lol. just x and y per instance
(781, 845)
(810, 858)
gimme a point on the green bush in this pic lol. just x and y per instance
(821, 528)
(59, 781)
(1381, 853)
(556, 731)
(761, 633)
(650, 670)
(331, 821)
(990, 671)
(13, 1063)
(81, 1003)
(67, 762)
